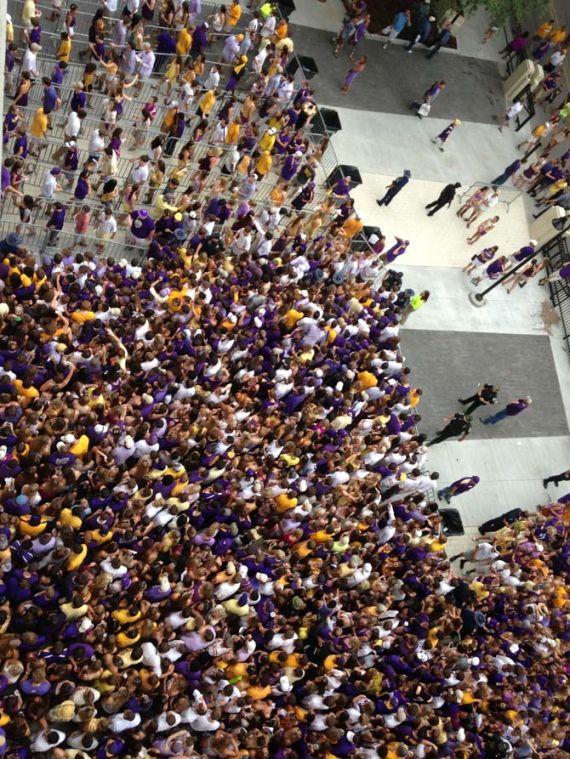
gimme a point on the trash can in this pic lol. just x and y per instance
(331, 121)
(451, 521)
(306, 67)
(342, 171)
(286, 8)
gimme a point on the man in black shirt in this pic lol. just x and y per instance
(458, 424)
(445, 197)
(486, 395)
(492, 525)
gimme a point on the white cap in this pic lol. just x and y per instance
(534, 243)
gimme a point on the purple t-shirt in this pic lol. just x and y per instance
(57, 219)
(516, 407)
(141, 227)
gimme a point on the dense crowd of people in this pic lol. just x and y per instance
(217, 535)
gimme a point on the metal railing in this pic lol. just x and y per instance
(328, 162)
(557, 254)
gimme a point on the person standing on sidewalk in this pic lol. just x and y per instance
(509, 171)
(458, 425)
(393, 189)
(442, 137)
(400, 22)
(511, 409)
(441, 40)
(511, 113)
(458, 487)
(421, 30)
(445, 198)
(557, 479)
(486, 395)
(416, 302)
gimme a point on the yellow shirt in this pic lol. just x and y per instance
(278, 196)
(160, 205)
(558, 36)
(544, 30)
(232, 133)
(26, 392)
(367, 379)
(28, 11)
(352, 226)
(267, 142)
(68, 519)
(124, 617)
(64, 51)
(184, 42)
(292, 317)
(80, 447)
(30, 529)
(264, 164)
(124, 640)
(207, 102)
(256, 692)
(281, 30)
(284, 503)
(320, 536)
(39, 124)
(234, 14)
(83, 316)
(77, 559)
(290, 460)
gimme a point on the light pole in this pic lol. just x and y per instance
(561, 225)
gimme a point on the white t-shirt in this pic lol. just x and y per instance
(73, 125)
(108, 225)
(49, 185)
(140, 173)
(515, 109)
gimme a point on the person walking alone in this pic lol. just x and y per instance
(458, 487)
(445, 198)
(442, 137)
(511, 409)
(393, 189)
(458, 425)
(557, 479)
(486, 395)
(423, 106)
(357, 68)
(509, 171)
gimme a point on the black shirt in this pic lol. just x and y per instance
(488, 394)
(458, 425)
(447, 194)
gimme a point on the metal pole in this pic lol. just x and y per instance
(478, 299)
